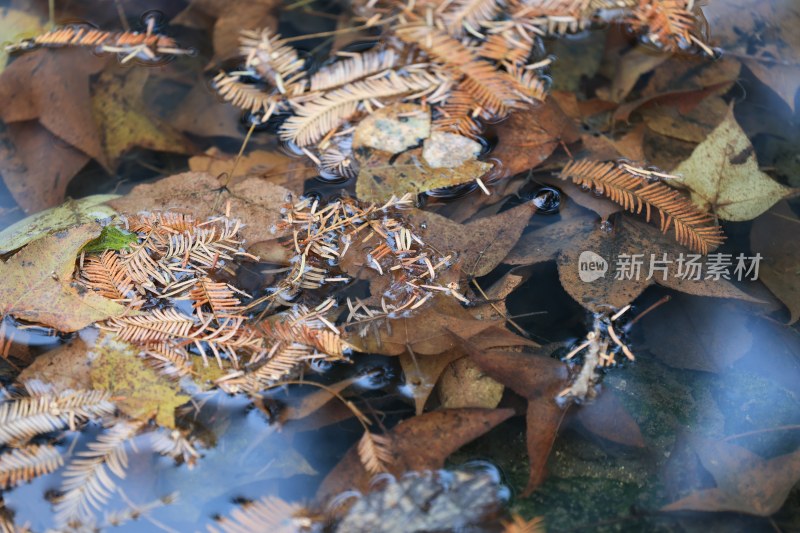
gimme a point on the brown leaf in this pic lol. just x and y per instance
(426, 332)
(528, 137)
(780, 268)
(608, 418)
(463, 384)
(272, 166)
(313, 402)
(37, 165)
(422, 373)
(38, 285)
(712, 335)
(746, 483)
(419, 443)
(53, 87)
(539, 379)
(480, 245)
(628, 236)
(66, 367)
(254, 201)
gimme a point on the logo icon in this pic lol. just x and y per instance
(591, 266)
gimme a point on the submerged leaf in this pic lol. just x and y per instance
(38, 284)
(723, 176)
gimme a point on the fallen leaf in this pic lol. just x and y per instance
(746, 483)
(627, 236)
(463, 384)
(125, 122)
(37, 165)
(528, 137)
(272, 166)
(539, 379)
(16, 25)
(426, 332)
(65, 368)
(780, 268)
(394, 128)
(313, 402)
(607, 418)
(723, 176)
(52, 86)
(383, 175)
(694, 126)
(712, 335)
(70, 213)
(449, 150)
(419, 443)
(200, 113)
(480, 245)
(774, 55)
(253, 200)
(634, 62)
(143, 392)
(38, 284)
(422, 373)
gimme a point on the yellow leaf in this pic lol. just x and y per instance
(142, 391)
(14, 26)
(723, 176)
(125, 122)
(38, 285)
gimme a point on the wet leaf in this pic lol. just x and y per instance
(480, 245)
(383, 175)
(420, 443)
(124, 120)
(52, 86)
(38, 284)
(449, 150)
(394, 128)
(313, 402)
(539, 379)
(746, 483)
(463, 384)
(252, 200)
(272, 166)
(780, 268)
(71, 213)
(422, 373)
(67, 367)
(529, 136)
(712, 336)
(426, 332)
(142, 391)
(16, 25)
(627, 237)
(723, 176)
(37, 165)
(608, 418)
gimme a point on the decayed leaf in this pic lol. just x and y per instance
(254, 200)
(125, 122)
(394, 128)
(746, 483)
(38, 286)
(71, 213)
(627, 237)
(311, 403)
(780, 268)
(723, 175)
(420, 443)
(143, 392)
(463, 384)
(383, 175)
(449, 150)
(65, 368)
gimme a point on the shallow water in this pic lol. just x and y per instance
(704, 367)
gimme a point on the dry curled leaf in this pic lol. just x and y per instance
(38, 285)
